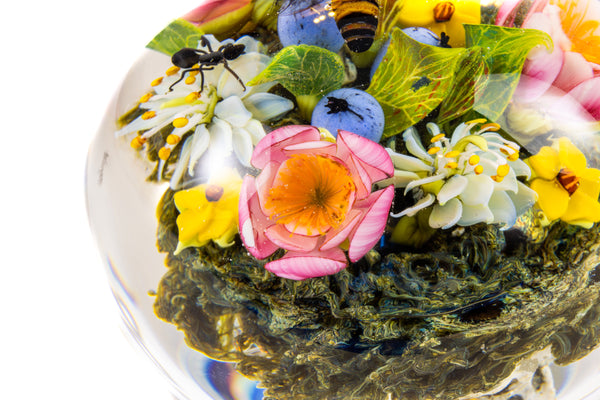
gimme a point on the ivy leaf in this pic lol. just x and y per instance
(412, 80)
(177, 35)
(304, 70)
(505, 52)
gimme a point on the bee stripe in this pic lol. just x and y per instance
(357, 22)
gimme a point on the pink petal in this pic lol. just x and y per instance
(371, 228)
(588, 94)
(318, 147)
(211, 9)
(264, 183)
(270, 148)
(373, 157)
(504, 11)
(575, 70)
(361, 178)
(539, 73)
(299, 266)
(290, 241)
(337, 236)
(252, 222)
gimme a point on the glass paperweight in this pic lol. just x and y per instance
(375, 200)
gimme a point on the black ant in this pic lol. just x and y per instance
(187, 57)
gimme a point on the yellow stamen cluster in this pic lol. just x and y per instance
(180, 122)
(148, 115)
(164, 153)
(146, 97)
(138, 142)
(156, 82)
(172, 70)
(173, 139)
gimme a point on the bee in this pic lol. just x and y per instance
(357, 22)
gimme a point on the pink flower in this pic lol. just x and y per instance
(570, 72)
(220, 16)
(313, 199)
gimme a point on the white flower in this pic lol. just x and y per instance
(221, 114)
(467, 178)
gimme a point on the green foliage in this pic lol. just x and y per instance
(413, 79)
(304, 70)
(177, 35)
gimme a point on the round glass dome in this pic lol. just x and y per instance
(360, 199)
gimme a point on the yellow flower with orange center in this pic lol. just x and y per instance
(568, 190)
(209, 211)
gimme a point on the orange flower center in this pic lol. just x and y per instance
(581, 31)
(568, 180)
(311, 192)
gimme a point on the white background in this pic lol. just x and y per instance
(60, 332)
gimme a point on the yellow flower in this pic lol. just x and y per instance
(567, 188)
(209, 211)
(441, 16)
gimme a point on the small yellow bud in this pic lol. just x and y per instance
(503, 170)
(452, 154)
(479, 170)
(474, 159)
(190, 80)
(497, 178)
(192, 97)
(173, 139)
(437, 137)
(434, 150)
(492, 126)
(452, 165)
(156, 82)
(148, 115)
(164, 153)
(137, 142)
(477, 121)
(172, 71)
(180, 122)
(146, 97)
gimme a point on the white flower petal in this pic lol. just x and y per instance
(421, 204)
(447, 215)
(460, 132)
(473, 214)
(199, 143)
(503, 210)
(182, 163)
(423, 181)
(250, 43)
(266, 106)
(246, 67)
(399, 180)
(408, 163)
(478, 190)
(220, 138)
(414, 145)
(256, 130)
(233, 111)
(520, 168)
(523, 199)
(242, 145)
(452, 188)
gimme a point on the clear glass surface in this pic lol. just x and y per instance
(437, 237)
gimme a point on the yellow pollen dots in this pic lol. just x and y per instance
(148, 115)
(164, 153)
(180, 122)
(146, 97)
(172, 71)
(192, 97)
(190, 80)
(173, 139)
(497, 178)
(478, 170)
(474, 159)
(452, 165)
(156, 82)
(317, 202)
(437, 137)
(137, 142)
(491, 126)
(434, 150)
(452, 154)
(503, 170)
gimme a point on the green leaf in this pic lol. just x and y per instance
(470, 78)
(177, 35)
(505, 52)
(304, 70)
(412, 80)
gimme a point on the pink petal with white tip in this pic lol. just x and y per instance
(320, 147)
(373, 157)
(252, 222)
(270, 148)
(588, 94)
(575, 70)
(539, 73)
(299, 266)
(505, 11)
(289, 241)
(370, 229)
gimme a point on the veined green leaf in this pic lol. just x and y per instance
(505, 52)
(304, 70)
(412, 80)
(177, 35)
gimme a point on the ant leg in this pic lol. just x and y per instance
(187, 71)
(226, 66)
(201, 70)
(206, 43)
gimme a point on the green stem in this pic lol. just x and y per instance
(306, 105)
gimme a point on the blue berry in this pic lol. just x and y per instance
(423, 35)
(301, 22)
(351, 110)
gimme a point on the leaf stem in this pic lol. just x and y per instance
(306, 104)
